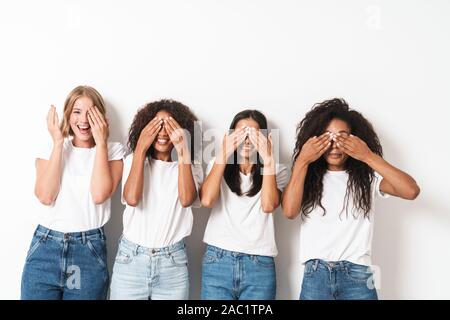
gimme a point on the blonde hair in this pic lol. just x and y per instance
(78, 92)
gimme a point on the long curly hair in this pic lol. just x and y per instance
(361, 176)
(231, 175)
(181, 113)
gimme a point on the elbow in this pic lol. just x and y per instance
(131, 201)
(413, 193)
(269, 208)
(207, 202)
(290, 213)
(46, 200)
(186, 203)
(99, 199)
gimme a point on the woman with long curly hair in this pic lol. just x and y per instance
(158, 192)
(338, 170)
(243, 188)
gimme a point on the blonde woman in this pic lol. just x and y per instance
(76, 177)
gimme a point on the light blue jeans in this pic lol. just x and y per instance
(142, 273)
(228, 275)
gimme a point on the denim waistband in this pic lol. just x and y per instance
(336, 265)
(136, 248)
(82, 237)
(222, 252)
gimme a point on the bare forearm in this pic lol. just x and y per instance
(293, 194)
(101, 180)
(210, 190)
(270, 196)
(48, 179)
(402, 183)
(186, 185)
(134, 185)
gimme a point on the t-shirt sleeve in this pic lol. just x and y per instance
(116, 151)
(126, 171)
(378, 179)
(282, 176)
(197, 174)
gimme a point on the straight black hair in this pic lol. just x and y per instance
(231, 175)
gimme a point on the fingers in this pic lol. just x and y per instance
(154, 124)
(173, 123)
(51, 116)
(99, 116)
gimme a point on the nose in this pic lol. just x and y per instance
(163, 131)
(84, 117)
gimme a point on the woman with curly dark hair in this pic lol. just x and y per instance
(338, 170)
(151, 262)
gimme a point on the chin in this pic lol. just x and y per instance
(163, 149)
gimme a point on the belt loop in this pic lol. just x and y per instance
(316, 263)
(44, 238)
(136, 248)
(102, 233)
(83, 237)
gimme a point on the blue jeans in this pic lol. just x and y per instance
(142, 273)
(230, 275)
(341, 280)
(68, 266)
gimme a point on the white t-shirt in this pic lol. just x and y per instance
(159, 220)
(338, 236)
(238, 223)
(74, 210)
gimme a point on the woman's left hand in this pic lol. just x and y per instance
(353, 146)
(176, 135)
(99, 125)
(263, 145)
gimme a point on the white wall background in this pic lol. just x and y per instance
(389, 59)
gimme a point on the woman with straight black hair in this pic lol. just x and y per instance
(243, 188)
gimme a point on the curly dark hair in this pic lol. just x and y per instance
(181, 113)
(361, 175)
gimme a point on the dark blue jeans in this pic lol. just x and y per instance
(228, 275)
(341, 280)
(68, 266)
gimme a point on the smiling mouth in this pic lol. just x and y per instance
(163, 141)
(84, 129)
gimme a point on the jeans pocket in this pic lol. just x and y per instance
(123, 256)
(35, 243)
(309, 269)
(179, 258)
(358, 273)
(98, 250)
(264, 261)
(210, 257)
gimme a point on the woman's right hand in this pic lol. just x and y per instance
(314, 148)
(148, 134)
(53, 125)
(231, 142)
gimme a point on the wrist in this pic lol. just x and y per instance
(301, 164)
(370, 159)
(140, 151)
